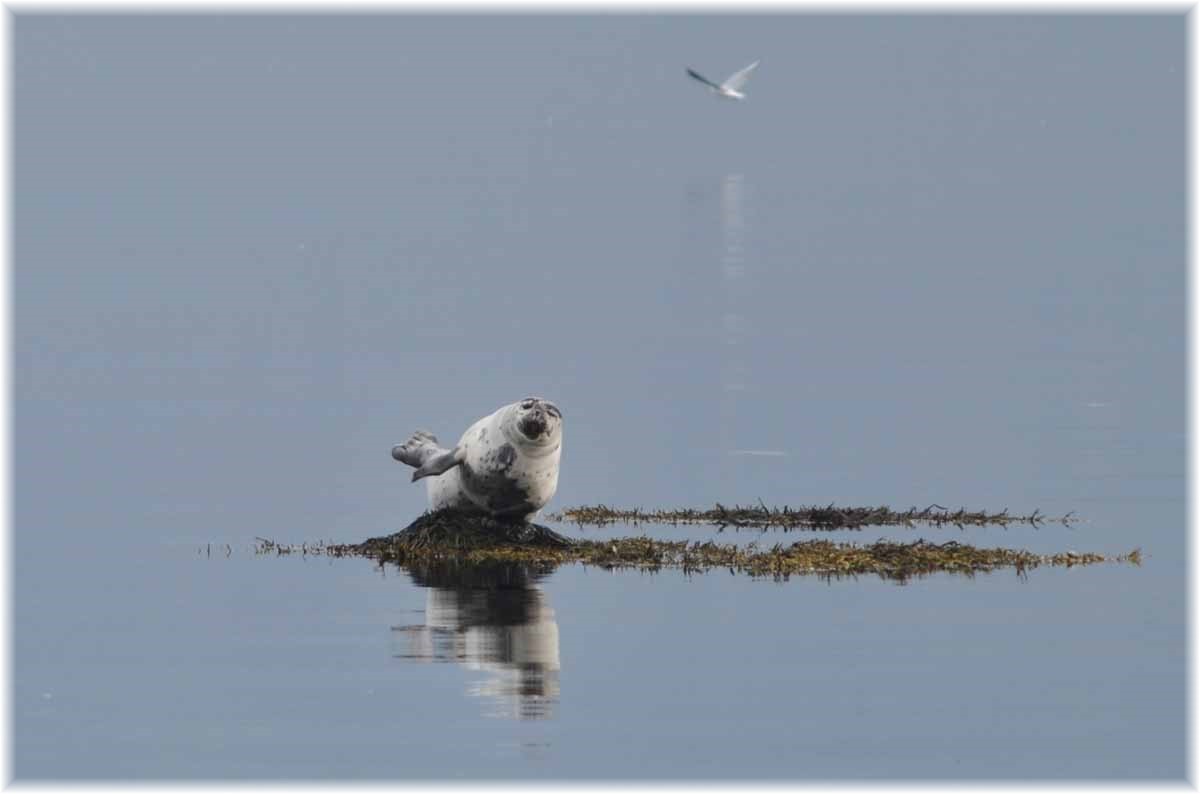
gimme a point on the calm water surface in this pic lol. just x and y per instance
(931, 259)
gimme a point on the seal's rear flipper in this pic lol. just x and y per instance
(421, 447)
(423, 453)
(437, 464)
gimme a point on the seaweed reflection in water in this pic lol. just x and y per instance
(491, 618)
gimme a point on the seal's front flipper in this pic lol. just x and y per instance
(437, 464)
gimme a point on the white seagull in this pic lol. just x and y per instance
(732, 87)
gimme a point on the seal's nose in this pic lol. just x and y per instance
(534, 424)
(398, 452)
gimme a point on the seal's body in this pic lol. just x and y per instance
(506, 464)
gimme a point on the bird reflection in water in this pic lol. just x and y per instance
(493, 619)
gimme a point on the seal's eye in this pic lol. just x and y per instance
(527, 404)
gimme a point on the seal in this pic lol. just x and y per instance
(506, 464)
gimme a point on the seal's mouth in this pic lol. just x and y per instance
(538, 418)
(534, 426)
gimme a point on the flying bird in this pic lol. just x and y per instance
(732, 87)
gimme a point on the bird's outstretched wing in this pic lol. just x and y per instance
(739, 78)
(702, 78)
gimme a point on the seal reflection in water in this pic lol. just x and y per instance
(491, 619)
(506, 464)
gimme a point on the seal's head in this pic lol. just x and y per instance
(537, 421)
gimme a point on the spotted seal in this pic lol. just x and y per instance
(506, 464)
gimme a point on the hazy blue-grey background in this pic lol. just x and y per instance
(930, 259)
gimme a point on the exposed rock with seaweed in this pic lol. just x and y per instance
(458, 529)
(456, 539)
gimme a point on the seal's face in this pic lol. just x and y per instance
(538, 421)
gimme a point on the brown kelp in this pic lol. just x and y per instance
(826, 518)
